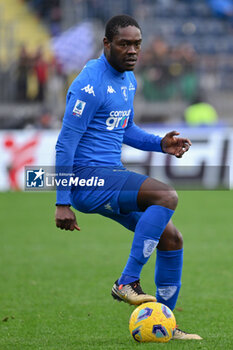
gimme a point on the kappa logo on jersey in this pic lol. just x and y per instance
(124, 91)
(110, 90)
(131, 87)
(78, 108)
(118, 118)
(89, 89)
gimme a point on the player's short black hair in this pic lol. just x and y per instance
(120, 21)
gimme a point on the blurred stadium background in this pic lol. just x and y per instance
(185, 74)
(185, 82)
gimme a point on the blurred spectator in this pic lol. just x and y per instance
(182, 68)
(55, 89)
(50, 12)
(168, 69)
(41, 70)
(44, 120)
(154, 70)
(97, 9)
(55, 21)
(23, 66)
(103, 10)
(32, 84)
(168, 72)
(32, 76)
(200, 113)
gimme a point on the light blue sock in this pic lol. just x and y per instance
(168, 271)
(148, 231)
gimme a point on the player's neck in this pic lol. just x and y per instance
(113, 68)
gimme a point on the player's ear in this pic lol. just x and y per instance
(106, 43)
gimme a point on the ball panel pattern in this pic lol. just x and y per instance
(152, 322)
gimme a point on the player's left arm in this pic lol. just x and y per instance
(138, 138)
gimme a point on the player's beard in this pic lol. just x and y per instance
(118, 62)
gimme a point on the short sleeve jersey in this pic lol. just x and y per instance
(99, 107)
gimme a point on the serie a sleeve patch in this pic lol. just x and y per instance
(78, 108)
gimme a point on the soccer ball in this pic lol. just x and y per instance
(152, 322)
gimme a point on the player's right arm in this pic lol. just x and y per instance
(67, 143)
(83, 100)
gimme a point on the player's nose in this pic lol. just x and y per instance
(132, 49)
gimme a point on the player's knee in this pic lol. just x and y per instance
(175, 239)
(178, 239)
(171, 239)
(169, 199)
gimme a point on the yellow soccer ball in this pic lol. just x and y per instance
(152, 322)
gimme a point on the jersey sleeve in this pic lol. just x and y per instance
(83, 100)
(140, 139)
(67, 142)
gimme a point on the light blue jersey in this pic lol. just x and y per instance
(100, 107)
(98, 119)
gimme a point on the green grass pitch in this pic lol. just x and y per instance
(55, 285)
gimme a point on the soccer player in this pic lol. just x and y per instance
(98, 119)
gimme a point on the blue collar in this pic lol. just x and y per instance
(113, 70)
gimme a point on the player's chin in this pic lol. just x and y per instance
(130, 66)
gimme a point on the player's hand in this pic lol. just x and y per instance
(65, 218)
(174, 145)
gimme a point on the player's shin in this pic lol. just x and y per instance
(168, 271)
(148, 231)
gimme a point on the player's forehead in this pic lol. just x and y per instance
(130, 33)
